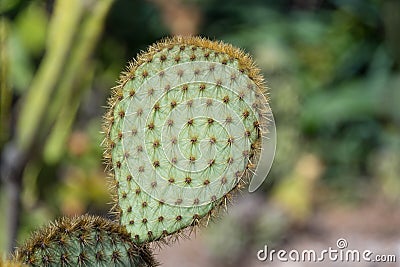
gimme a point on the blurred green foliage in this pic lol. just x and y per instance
(332, 66)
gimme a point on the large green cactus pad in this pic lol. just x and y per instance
(83, 241)
(183, 131)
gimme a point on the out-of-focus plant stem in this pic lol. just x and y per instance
(63, 27)
(5, 91)
(76, 78)
(73, 32)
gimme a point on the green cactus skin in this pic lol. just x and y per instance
(83, 241)
(183, 133)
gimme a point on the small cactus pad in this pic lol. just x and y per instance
(183, 131)
(83, 241)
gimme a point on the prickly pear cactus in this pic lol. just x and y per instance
(83, 241)
(183, 132)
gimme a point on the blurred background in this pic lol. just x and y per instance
(333, 68)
